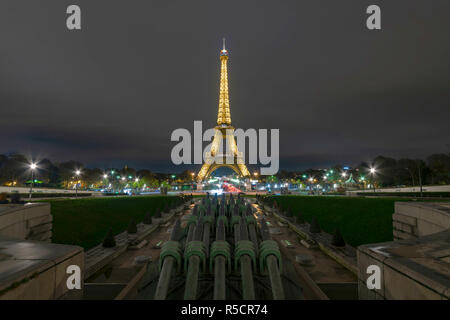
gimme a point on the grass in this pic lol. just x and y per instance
(360, 220)
(85, 222)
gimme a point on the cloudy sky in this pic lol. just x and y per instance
(112, 93)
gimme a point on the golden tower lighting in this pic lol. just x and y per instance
(224, 131)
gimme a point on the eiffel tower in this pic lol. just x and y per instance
(223, 131)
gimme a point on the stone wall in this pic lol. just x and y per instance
(413, 269)
(417, 264)
(30, 266)
(31, 221)
(417, 219)
(37, 270)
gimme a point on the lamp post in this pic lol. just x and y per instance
(113, 182)
(412, 177)
(136, 184)
(372, 173)
(420, 178)
(105, 181)
(33, 167)
(255, 174)
(192, 180)
(77, 174)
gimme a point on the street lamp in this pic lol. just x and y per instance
(372, 173)
(77, 174)
(33, 167)
(310, 184)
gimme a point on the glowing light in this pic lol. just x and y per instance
(344, 174)
(77, 172)
(224, 102)
(372, 170)
(217, 191)
(105, 176)
(33, 166)
(223, 123)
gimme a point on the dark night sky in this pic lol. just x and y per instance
(112, 93)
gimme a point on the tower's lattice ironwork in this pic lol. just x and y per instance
(231, 158)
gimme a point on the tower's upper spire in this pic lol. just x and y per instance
(224, 51)
(223, 117)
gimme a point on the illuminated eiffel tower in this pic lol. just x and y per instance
(223, 131)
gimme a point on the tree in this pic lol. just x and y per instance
(92, 177)
(109, 241)
(14, 168)
(67, 171)
(386, 171)
(48, 173)
(439, 165)
(128, 172)
(407, 173)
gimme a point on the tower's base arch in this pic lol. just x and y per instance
(213, 167)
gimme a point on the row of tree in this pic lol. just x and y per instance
(434, 170)
(15, 171)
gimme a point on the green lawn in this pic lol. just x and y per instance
(85, 222)
(360, 220)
